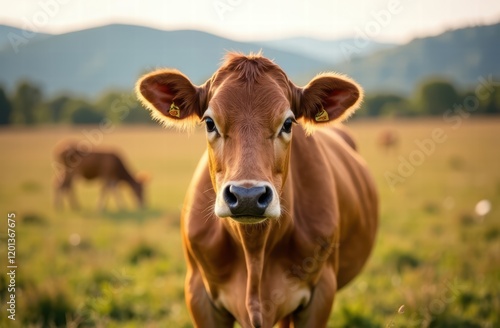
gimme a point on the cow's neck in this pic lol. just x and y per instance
(129, 179)
(133, 183)
(256, 241)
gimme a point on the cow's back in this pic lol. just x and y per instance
(104, 165)
(93, 165)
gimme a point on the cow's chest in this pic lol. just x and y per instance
(281, 291)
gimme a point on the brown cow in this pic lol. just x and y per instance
(104, 165)
(272, 228)
(388, 140)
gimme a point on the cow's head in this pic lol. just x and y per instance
(249, 107)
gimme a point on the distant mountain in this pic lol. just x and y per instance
(89, 61)
(460, 55)
(12, 37)
(331, 51)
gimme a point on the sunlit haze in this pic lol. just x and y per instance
(382, 20)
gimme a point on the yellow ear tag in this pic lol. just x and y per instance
(174, 110)
(322, 116)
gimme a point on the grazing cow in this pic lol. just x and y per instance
(272, 227)
(91, 165)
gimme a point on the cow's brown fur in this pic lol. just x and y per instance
(106, 166)
(286, 266)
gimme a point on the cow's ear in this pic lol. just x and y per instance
(326, 99)
(171, 98)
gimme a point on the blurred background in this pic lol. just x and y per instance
(428, 129)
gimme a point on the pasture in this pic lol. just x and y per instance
(436, 262)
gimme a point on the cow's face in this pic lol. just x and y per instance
(249, 130)
(248, 108)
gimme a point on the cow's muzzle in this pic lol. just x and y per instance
(251, 202)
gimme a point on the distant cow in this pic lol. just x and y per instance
(388, 140)
(272, 227)
(93, 165)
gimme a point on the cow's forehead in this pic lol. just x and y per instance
(263, 97)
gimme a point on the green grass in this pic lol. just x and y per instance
(125, 268)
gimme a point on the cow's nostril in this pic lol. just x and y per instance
(266, 198)
(229, 197)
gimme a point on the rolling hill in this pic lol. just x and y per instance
(461, 56)
(90, 61)
(326, 50)
(11, 37)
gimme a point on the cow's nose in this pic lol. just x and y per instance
(248, 202)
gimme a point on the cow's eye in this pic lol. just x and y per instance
(287, 126)
(210, 125)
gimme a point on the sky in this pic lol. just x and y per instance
(395, 21)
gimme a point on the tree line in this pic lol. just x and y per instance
(436, 97)
(28, 105)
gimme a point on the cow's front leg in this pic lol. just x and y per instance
(202, 310)
(101, 203)
(316, 313)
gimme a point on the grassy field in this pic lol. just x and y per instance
(436, 262)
